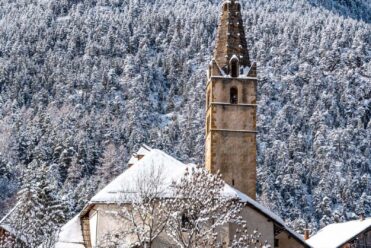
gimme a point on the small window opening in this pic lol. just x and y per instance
(186, 222)
(234, 96)
(276, 242)
(225, 7)
(232, 182)
(234, 68)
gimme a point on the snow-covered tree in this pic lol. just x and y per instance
(200, 209)
(39, 213)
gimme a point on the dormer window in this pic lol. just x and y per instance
(234, 66)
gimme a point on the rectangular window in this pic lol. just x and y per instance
(276, 242)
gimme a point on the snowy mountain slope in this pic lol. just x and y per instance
(84, 83)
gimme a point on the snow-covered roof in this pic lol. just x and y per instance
(144, 149)
(8, 228)
(125, 185)
(335, 235)
(70, 235)
(5, 221)
(154, 164)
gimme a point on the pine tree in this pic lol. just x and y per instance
(39, 213)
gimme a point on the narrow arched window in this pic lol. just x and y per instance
(225, 7)
(234, 68)
(234, 95)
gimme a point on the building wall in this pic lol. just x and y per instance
(260, 223)
(285, 240)
(265, 226)
(109, 222)
(231, 132)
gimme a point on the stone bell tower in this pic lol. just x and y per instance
(231, 105)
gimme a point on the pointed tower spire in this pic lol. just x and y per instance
(231, 40)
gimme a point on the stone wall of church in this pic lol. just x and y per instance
(233, 154)
(231, 132)
(220, 88)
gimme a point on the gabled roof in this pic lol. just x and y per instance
(125, 187)
(6, 218)
(6, 223)
(336, 235)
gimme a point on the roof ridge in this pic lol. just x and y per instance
(9, 213)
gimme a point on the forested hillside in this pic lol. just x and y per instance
(83, 83)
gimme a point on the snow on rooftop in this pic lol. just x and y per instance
(144, 149)
(335, 235)
(6, 221)
(155, 162)
(70, 235)
(125, 185)
(7, 216)
(8, 228)
(153, 166)
(133, 160)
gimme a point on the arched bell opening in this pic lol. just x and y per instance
(234, 67)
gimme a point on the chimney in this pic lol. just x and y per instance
(306, 234)
(362, 217)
